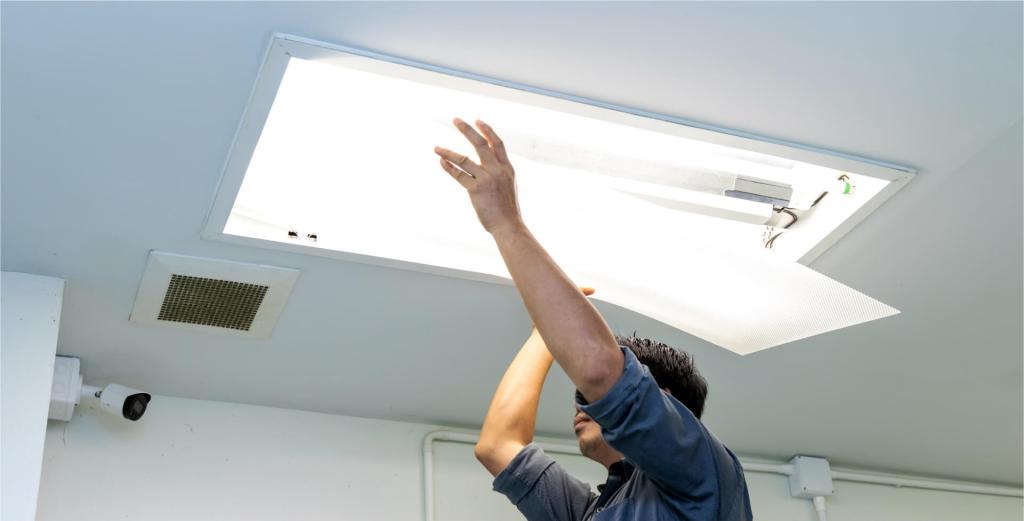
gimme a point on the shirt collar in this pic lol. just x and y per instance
(618, 473)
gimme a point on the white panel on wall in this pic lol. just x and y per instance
(28, 344)
(769, 499)
(203, 460)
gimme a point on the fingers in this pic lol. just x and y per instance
(483, 148)
(462, 177)
(497, 145)
(587, 291)
(459, 161)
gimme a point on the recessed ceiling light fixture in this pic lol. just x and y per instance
(705, 229)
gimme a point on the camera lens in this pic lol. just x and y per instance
(135, 406)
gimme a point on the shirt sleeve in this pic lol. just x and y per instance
(541, 489)
(656, 433)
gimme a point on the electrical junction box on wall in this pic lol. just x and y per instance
(811, 477)
(67, 387)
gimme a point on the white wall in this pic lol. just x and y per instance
(192, 459)
(195, 459)
(28, 336)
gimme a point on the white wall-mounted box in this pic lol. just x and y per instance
(30, 307)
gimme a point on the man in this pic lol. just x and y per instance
(662, 463)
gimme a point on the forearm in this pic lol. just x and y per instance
(512, 415)
(574, 331)
(513, 411)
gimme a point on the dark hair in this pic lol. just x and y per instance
(672, 369)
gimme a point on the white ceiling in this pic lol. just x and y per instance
(117, 118)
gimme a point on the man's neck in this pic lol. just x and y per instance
(609, 459)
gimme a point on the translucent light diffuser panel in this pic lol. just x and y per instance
(706, 230)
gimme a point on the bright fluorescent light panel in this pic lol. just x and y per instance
(334, 157)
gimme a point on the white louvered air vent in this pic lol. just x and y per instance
(212, 294)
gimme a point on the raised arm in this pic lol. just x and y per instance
(512, 415)
(575, 333)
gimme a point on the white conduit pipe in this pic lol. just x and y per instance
(769, 468)
(819, 507)
(894, 480)
(927, 484)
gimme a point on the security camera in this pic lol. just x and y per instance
(120, 400)
(115, 399)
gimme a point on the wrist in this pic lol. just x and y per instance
(509, 230)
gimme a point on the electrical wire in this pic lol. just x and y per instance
(791, 214)
(788, 211)
(768, 243)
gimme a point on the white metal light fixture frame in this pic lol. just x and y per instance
(285, 47)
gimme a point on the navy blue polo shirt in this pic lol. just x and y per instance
(674, 469)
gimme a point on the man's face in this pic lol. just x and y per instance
(588, 434)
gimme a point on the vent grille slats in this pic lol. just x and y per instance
(212, 302)
(218, 296)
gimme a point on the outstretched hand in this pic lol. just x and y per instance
(491, 183)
